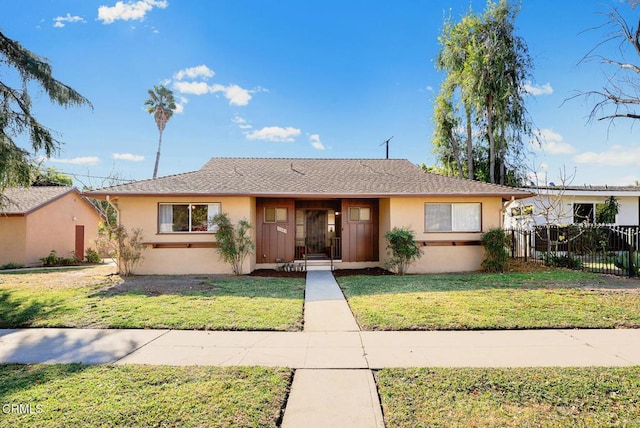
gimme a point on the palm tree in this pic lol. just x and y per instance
(161, 104)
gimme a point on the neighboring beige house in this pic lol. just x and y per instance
(36, 220)
(309, 209)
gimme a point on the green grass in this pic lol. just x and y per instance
(551, 299)
(82, 300)
(523, 397)
(141, 396)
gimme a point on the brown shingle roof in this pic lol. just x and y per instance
(20, 200)
(309, 177)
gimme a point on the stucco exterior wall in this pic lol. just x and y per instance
(142, 212)
(13, 241)
(53, 227)
(409, 212)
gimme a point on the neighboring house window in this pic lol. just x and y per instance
(275, 215)
(359, 214)
(589, 213)
(455, 217)
(187, 217)
(520, 211)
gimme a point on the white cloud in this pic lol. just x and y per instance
(553, 143)
(84, 160)
(274, 133)
(180, 105)
(59, 21)
(128, 157)
(429, 88)
(241, 122)
(613, 156)
(195, 72)
(236, 95)
(135, 11)
(315, 142)
(534, 90)
(194, 88)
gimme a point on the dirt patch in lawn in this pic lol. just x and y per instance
(156, 285)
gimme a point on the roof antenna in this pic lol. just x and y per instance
(387, 143)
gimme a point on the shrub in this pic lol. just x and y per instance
(51, 260)
(235, 243)
(11, 265)
(562, 260)
(93, 256)
(404, 249)
(622, 262)
(129, 249)
(495, 242)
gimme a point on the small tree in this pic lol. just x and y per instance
(404, 249)
(235, 242)
(129, 248)
(495, 242)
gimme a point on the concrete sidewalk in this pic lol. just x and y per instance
(325, 350)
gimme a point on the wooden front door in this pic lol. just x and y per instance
(79, 241)
(316, 231)
(360, 230)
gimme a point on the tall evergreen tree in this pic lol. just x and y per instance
(161, 104)
(487, 65)
(16, 118)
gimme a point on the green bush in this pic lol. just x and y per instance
(11, 265)
(622, 262)
(495, 242)
(235, 243)
(404, 249)
(51, 260)
(93, 256)
(564, 261)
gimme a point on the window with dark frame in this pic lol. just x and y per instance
(187, 217)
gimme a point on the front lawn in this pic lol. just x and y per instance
(522, 397)
(95, 298)
(141, 396)
(556, 298)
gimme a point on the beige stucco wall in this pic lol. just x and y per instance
(26, 239)
(409, 212)
(53, 227)
(142, 213)
(13, 240)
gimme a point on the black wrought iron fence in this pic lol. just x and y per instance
(590, 247)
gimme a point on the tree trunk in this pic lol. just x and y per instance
(502, 149)
(469, 145)
(492, 142)
(456, 153)
(155, 168)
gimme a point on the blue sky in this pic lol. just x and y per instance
(284, 78)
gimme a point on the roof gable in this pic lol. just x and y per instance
(310, 177)
(22, 201)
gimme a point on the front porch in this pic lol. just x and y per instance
(316, 232)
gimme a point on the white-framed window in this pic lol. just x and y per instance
(187, 217)
(275, 215)
(359, 214)
(453, 217)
